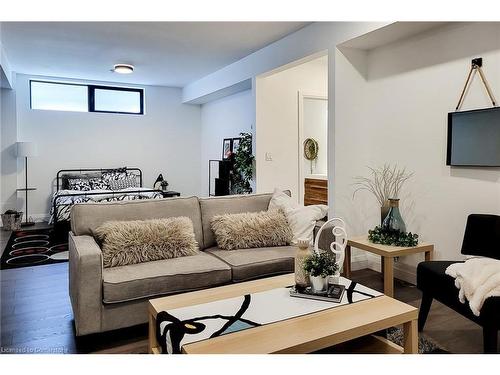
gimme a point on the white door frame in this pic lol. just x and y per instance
(301, 95)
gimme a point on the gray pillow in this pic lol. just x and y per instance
(138, 241)
(124, 183)
(251, 229)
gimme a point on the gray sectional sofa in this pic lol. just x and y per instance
(105, 299)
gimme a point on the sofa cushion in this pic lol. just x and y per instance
(251, 229)
(302, 219)
(86, 217)
(259, 262)
(169, 276)
(139, 241)
(235, 204)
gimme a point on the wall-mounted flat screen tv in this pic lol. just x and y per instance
(474, 138)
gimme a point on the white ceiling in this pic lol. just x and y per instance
(163, 53)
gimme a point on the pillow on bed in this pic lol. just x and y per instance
(83, 176)
(251, 229)
(114, 174)
(138, 241)
(99, 184)
(130, 181)
(82, 184)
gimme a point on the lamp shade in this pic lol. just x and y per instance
(26, 149)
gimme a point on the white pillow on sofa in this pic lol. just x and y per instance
(302, 219)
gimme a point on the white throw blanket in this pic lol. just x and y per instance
(476, 279)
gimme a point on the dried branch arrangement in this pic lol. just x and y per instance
(384, 183)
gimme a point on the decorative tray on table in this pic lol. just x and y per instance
(334, 293)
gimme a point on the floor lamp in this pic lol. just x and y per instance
(26, 150)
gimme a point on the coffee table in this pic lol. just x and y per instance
(304, 334)
(387, 253)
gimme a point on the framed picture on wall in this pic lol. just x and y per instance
(236, 144)
(227, 148)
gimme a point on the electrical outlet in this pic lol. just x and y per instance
(269, 157)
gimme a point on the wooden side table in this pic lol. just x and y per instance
(387, 253)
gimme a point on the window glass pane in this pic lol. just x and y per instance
(117, 101)
(59, 97)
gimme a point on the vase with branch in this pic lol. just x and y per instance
(385, 183)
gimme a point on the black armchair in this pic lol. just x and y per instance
(482, 238)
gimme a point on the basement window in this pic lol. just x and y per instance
(58, 96)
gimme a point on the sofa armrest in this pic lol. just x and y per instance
(85, 283)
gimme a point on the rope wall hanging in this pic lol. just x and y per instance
(476, 67)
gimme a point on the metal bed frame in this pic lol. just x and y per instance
(112, 193)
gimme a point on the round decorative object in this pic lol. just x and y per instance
(63, 255)
(25, 260)
(30, 243)
(311, 149)
(31, 237)
(58, 248)
(28, 251)
(339, 239)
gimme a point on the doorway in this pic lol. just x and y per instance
(313, 145)
(291, 106)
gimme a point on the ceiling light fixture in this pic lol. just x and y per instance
(123, 68)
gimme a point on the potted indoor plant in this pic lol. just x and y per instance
(385, 183)
(164, 185)
(320, 266)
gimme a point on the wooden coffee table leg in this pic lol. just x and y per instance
(382, 265)
(410, 339)
(389, 276)
(347, 262)
(152, 334)
(428, 256)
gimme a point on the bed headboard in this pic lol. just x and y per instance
(92, 173)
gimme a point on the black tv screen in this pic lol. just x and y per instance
(474, 138)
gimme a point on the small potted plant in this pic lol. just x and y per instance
(320, 266)
(164, 185)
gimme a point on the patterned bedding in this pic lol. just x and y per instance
(63, 200)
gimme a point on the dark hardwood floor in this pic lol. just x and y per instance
(36, 316)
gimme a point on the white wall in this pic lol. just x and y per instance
(315, 38)
(8, 136)
(223, 118)
(165, 140)
(277, 123)
(396, 112)
(6, 76)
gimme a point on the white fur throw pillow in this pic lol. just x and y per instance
(138, 241)
(251, 229)
(302, 219)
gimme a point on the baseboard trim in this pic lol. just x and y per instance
(359, 262)
(401, 271)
